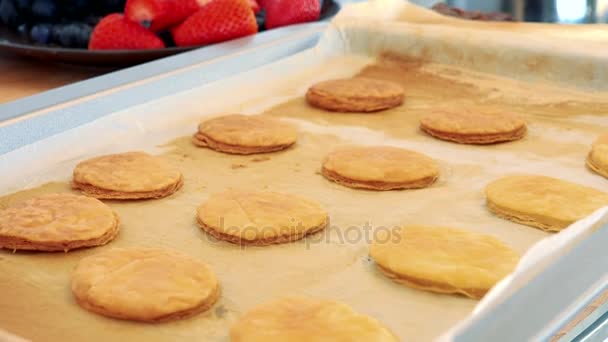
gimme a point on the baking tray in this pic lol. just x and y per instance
(150, 113)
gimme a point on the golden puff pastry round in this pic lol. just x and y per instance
(597, 160)
(260, 218)
(443, 260)
(245, 134)
(473, 126)
(144, 284)
(302, 319)
(131, 175)
(380, 168)
(57, 222)
(357, 94)
(547, 203)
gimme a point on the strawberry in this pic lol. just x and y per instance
(288, 12)
(113, 32)
(158, 15)
(255, 5)
(217, 21)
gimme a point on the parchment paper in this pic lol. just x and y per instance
(35, 300)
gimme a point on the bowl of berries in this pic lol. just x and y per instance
(128, 32)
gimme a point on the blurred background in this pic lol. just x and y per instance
(558, 11)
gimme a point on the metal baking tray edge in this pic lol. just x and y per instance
(538, 311)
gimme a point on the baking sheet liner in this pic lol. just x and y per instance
(36, 301)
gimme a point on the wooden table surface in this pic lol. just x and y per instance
(21, 77)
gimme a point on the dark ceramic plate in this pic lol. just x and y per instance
(11, 42)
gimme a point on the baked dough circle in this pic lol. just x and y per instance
(547, 203)
(473, 126)
(245, 134)
(357, 94)
(260, 218)
(380, 168)
(597, 160)
(131, 175)
(310, 320)
(443, 260)
(57, 222)
(144, 284)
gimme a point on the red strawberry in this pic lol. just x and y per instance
(217, 21)
(288, 12)
(115, 33)
(255, 5)
(161, 14)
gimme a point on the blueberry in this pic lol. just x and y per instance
(44, 9)
(75, 35)
(8, 13)
(41, 33)
(56, 31)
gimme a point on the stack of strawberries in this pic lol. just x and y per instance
(194, 22)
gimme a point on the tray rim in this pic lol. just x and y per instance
(497, 324)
